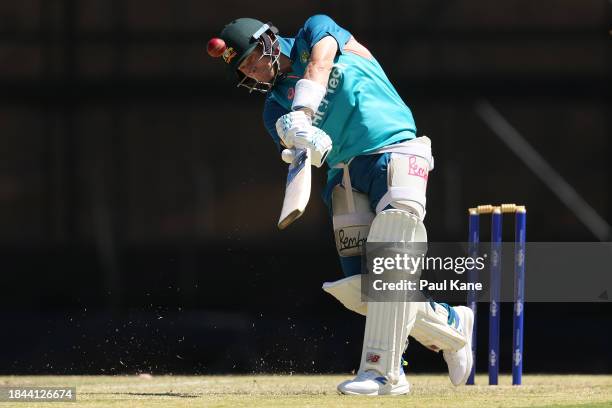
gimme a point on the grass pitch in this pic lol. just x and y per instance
(315, 391)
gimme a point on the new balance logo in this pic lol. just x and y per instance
(372, 358)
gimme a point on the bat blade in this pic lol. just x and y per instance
(297, 189)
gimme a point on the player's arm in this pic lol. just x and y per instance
(326, 39)
(295, 129)
(321, 60)
(310, 90)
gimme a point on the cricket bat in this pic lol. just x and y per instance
(297, 189)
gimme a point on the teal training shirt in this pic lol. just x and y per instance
(361, 111)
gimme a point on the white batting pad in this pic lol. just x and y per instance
(432, 330)
(348, 292)
(352, 217)
(407, 175)
(388, 323)
(431, 327)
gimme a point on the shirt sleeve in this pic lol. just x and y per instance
(319, 26)
(272, 111)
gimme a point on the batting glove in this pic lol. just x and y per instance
(312, 138)
(291, 123)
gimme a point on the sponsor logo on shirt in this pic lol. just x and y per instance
(335, 78)
(304, 57)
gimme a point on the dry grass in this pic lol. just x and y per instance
(317, 391)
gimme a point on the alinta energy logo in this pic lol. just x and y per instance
(335, 80)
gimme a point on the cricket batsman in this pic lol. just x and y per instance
(327, 94)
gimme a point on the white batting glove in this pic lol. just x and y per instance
(292, 122)
(312, 138)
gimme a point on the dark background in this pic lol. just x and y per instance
(139, 191)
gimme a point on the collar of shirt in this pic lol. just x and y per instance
(286, 45)
(287, 48)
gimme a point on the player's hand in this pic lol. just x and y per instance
(291, 123)
(312, 138)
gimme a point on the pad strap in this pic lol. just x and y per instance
(345, 220)
(410, 147)
(399, 194)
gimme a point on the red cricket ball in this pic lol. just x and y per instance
(216, 47)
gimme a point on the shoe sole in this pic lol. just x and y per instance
(403, 390)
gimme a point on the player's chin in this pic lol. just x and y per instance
(258, 77)
(269, 75)
(265, 78)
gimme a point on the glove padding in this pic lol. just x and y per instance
(295, 131)
(290, 122)
(312, 138)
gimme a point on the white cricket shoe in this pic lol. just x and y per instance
(460, 362)
(371, 382)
